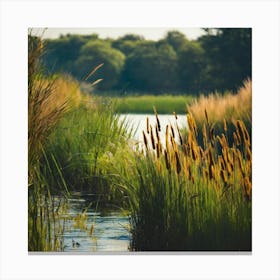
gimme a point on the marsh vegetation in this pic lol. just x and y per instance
(180, 187)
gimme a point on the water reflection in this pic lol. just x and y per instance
(110, 230)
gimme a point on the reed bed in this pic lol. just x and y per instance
(229, 106)
(49, 98)
(191, 197)
(86, 142)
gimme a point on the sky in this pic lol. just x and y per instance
(148, 33)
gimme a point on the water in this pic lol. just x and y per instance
(138, 121)
(110, 230)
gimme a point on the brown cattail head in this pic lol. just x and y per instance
(206, 116)
(247, 188)
(225, 125)
(223, 176)
(167, 163)
(157, 134)
(172, 131)
(178, 164)
(236, 139)
(148, 125)
(158, 149)
(175, 115)
(158, 123)
(152, 138)
(179, 133)
(145, 140)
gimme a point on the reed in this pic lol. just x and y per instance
(49, 98)
(222, 111)
(192, 197)
(86, 143)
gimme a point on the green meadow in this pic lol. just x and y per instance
(143, 104)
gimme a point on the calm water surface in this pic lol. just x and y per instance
(138, 122)
(110, 233)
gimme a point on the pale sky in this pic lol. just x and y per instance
(148, 33)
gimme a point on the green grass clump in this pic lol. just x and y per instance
(48, 100)
(165, 104)
(85, 142)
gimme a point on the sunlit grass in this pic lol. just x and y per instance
(187, 196)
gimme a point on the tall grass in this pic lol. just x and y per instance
(185, 196)
(86, 142)
(49, 98)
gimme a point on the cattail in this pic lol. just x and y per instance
(178, 164)
(157, 134)
(241, 130)
(145, 140)
(247, 187)
(201, 152)
(152, 138)
(158, 123)
(223, 164)
(166, 160)
(185, 150)
(205, 174)
(240, 164)
(175, 115)
(172, 131)
(179, 133)
(224, 176)
(229, 167)
(225, 125)
(157, 150)
(173, 143)
(193, 151)
(236, 139)
(213, 171)
(204, 133)
(211, 135)
(245, 133)
(211, 161)
(210, 170)
(206, 116)
(147, 125)
(248, 154)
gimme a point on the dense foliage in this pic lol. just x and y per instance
(220, 60)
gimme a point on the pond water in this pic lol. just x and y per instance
(110, 230)
(138, 122)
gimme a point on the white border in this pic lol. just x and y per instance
(17, 16)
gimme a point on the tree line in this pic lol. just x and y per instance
(219, 60)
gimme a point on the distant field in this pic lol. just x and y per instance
(166, 104)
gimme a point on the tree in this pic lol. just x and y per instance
(190, 67)
(176, 39)
(151, 67)
(127, 43)
(61, 53)
(229, 57)
(94, 53)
